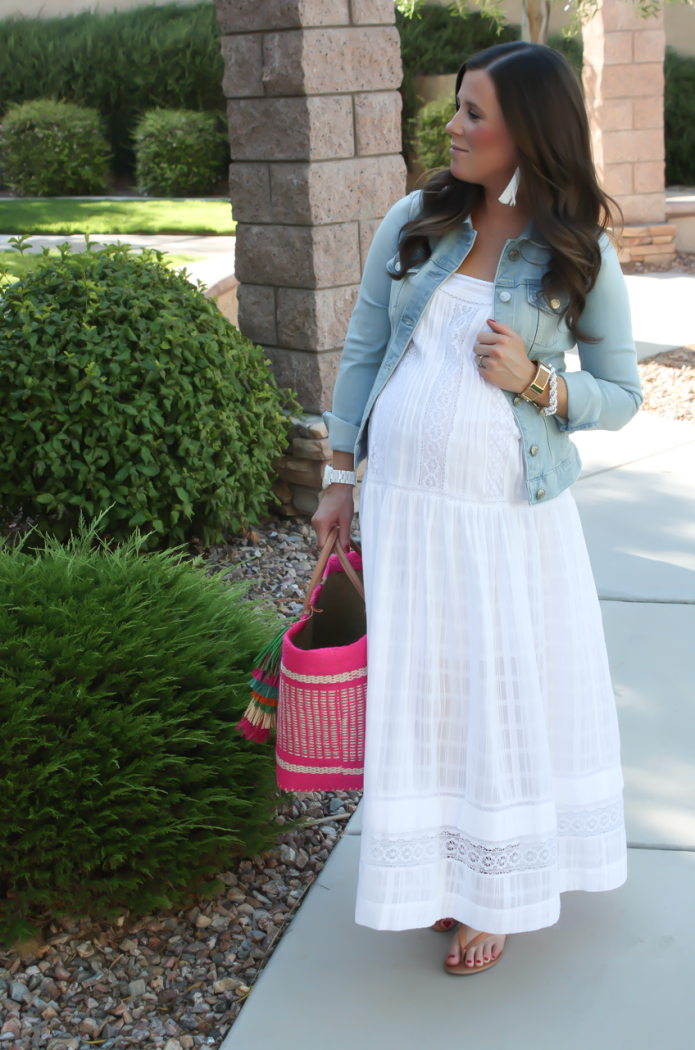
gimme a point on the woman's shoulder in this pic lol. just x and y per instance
(607, 244)
(405, 209)
(388, 234)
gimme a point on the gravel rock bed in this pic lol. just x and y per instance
(174, 979)
(668, 383)
(276, 559)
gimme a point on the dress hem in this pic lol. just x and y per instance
(521, 920)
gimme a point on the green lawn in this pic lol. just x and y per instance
(51, 216)
(16, 266)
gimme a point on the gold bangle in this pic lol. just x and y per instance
(535, 387)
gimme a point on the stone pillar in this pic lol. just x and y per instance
(624, 89)
(315, 139)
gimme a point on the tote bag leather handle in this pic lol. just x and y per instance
(331, 542)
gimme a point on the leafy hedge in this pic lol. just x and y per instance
(179, 152)
(439, 40)
(121, 64)
(124, 782)
(50, 149)
(431, 140)
(679, 118)
(124, 391)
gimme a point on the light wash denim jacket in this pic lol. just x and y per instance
(605, 394)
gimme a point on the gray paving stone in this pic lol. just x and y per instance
(639, 524)
(650, 649)
(610, 974)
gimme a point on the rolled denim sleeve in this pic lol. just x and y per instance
(367, 336)
(607, 392)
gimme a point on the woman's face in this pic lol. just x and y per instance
(482, 148)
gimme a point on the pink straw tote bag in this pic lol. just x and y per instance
(323, 680)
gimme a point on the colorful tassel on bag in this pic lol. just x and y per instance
(261, 714)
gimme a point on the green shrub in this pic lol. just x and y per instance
(122, 64)
(439, 40)
(50, 149)
(572, 48)
(679, 118)
(120, 384)
(124, 782)
(431, 139)
(179, 153)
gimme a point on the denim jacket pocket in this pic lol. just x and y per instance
(545, 317)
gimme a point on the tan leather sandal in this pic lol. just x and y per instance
(461, 967)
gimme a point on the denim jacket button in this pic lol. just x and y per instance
(505, 296)
(555, 303)
(513, 255)
(534, 450)
(540, 494)
(517, 400)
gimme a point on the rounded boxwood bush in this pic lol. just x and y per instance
(123, 779)
(124, 391)
(50, 149)
(179, 152)
(432, 140)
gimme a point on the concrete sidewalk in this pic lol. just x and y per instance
(615, 973)
(215, 255)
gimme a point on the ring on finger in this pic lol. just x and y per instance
(480, 360)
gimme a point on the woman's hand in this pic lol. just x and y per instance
(507, 365)
(336, 508)
(505, 361)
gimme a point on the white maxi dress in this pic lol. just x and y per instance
(492, 766)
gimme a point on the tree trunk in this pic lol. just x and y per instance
(534, 21)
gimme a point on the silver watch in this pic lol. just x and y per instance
(341, 477)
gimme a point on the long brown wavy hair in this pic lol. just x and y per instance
(544, 110)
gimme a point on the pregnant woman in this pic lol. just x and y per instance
(492, 766)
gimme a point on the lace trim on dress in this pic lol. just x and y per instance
(584, 823)
(488, 859)
(441, 403)
(450, 844)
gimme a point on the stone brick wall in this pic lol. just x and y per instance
(314, 125)
(624, 89)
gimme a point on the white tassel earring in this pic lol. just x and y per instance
(509, 195)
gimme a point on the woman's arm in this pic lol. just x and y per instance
(506, 364)
(337, 506)
(607, 392)
(365, 343)
(367, 335)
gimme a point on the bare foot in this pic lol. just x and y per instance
(483, 952)
(444, 925)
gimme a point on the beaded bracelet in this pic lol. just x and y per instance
(552, 382)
